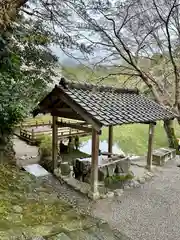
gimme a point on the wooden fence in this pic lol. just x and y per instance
(36, 123)
(29, 131)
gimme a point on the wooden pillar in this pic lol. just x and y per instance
(54, 142)
(110, 139)
(94, 165)
(150, 146)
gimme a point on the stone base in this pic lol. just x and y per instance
(93, 195)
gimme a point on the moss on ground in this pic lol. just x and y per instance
(26, 206)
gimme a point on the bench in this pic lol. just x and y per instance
(162, 155)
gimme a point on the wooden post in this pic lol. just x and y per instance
(150, 145)
(94, 165)
(54, 142)
(110, 139)
(32, 134)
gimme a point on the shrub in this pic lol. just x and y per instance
(45, 146)
(118, 178)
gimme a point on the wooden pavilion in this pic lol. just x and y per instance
(99, 106)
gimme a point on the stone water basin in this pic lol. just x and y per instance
(107, 166)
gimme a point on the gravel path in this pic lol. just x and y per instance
(149, 212)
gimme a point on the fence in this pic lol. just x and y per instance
(32, 136)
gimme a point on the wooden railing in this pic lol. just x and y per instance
(32, 136)
(37, 123)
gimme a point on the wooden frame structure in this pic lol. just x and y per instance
(80, 102)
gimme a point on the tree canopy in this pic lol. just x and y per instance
(26, 69)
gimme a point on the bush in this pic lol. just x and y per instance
(45, 146)
(118, 178)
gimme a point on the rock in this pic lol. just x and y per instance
(123, 166)
(150, 174)
(84, 190)
(61, 236)
(17, 209)
(126, 186)
(37, 238)
(142, 180)
(57, 172)
(77, 188)
(118, 192)
(131, 184)
(135, 183)
(110, 194)
(111, 168)
(65, 168)
(23, 158)
(147, 177)
(102, 196)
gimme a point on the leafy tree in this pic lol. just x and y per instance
(26, 68)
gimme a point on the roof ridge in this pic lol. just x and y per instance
(89, 86)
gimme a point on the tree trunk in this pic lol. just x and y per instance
(8, 12)
(172, 140)
(7, 153)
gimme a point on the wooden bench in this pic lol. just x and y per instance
(162, 155)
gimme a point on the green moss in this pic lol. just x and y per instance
(118, 178)
(41, 209)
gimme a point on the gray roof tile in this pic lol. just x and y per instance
(112, 106)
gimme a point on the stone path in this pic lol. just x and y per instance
(149, 212)
(21, 148)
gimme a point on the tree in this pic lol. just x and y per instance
(26, 69)
(133, 35)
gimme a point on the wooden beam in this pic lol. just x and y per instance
(54, 142)
(94, 165)
(74, 126)
(110, 139)
(150, 146)
(64, 110)
(74, 116)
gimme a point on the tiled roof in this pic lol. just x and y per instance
(113, 106)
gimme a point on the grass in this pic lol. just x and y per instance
(131, 138)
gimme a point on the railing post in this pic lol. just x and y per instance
(32, 134)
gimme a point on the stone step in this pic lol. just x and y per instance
(81, 235)
(60, 236)
(103, 232)
(119, 235)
